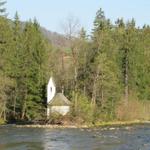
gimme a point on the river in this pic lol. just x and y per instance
(119, 138)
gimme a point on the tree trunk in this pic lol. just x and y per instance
(75, 88)
(126, 79)
(14, 107)
(4, 111)
(62, 89)
(63, 71)
(14, 103)
(23, 111)
(75, 76)
(102, 91)
(84, 88)
(24, 105)
(93, 101)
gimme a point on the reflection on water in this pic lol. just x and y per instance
(134, 138)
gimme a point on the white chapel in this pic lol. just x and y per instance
(56, 102)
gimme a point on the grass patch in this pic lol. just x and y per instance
(2, 122)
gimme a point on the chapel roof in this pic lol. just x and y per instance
(59, 100)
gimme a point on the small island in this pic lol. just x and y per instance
(83, 86)
(72, 78)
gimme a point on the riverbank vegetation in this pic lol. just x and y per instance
(105, 76)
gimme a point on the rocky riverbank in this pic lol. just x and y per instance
(100, 124)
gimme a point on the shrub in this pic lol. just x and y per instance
(134, 110)
(83, 112)
(2, 121)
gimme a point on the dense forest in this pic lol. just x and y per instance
(106, 75)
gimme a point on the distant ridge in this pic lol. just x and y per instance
(56, 39)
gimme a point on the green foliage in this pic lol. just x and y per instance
(107, 81)
(84, 109)
(2, 121)
(23, 58)
(55, 118)
(95, 73)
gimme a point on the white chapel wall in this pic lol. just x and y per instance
(63, 110)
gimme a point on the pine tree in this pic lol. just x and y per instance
(99, 21)
(82, 34)
(106, 82)
(32, 71)
(127, 47)
(2, 10)
(142, 64)
(15, 66)
(103, 72)
(5, 49)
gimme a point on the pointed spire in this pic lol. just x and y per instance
(51, 90)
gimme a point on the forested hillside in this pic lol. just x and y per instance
(106, 76)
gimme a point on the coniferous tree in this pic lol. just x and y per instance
(5, 49)
(2, 9)
(15, 67)
(33, 73)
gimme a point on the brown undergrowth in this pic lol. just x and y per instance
(133, 110)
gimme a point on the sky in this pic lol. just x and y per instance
(52, 13)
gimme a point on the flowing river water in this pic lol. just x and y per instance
(119, 138)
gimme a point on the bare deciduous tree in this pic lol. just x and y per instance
(71, 29)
